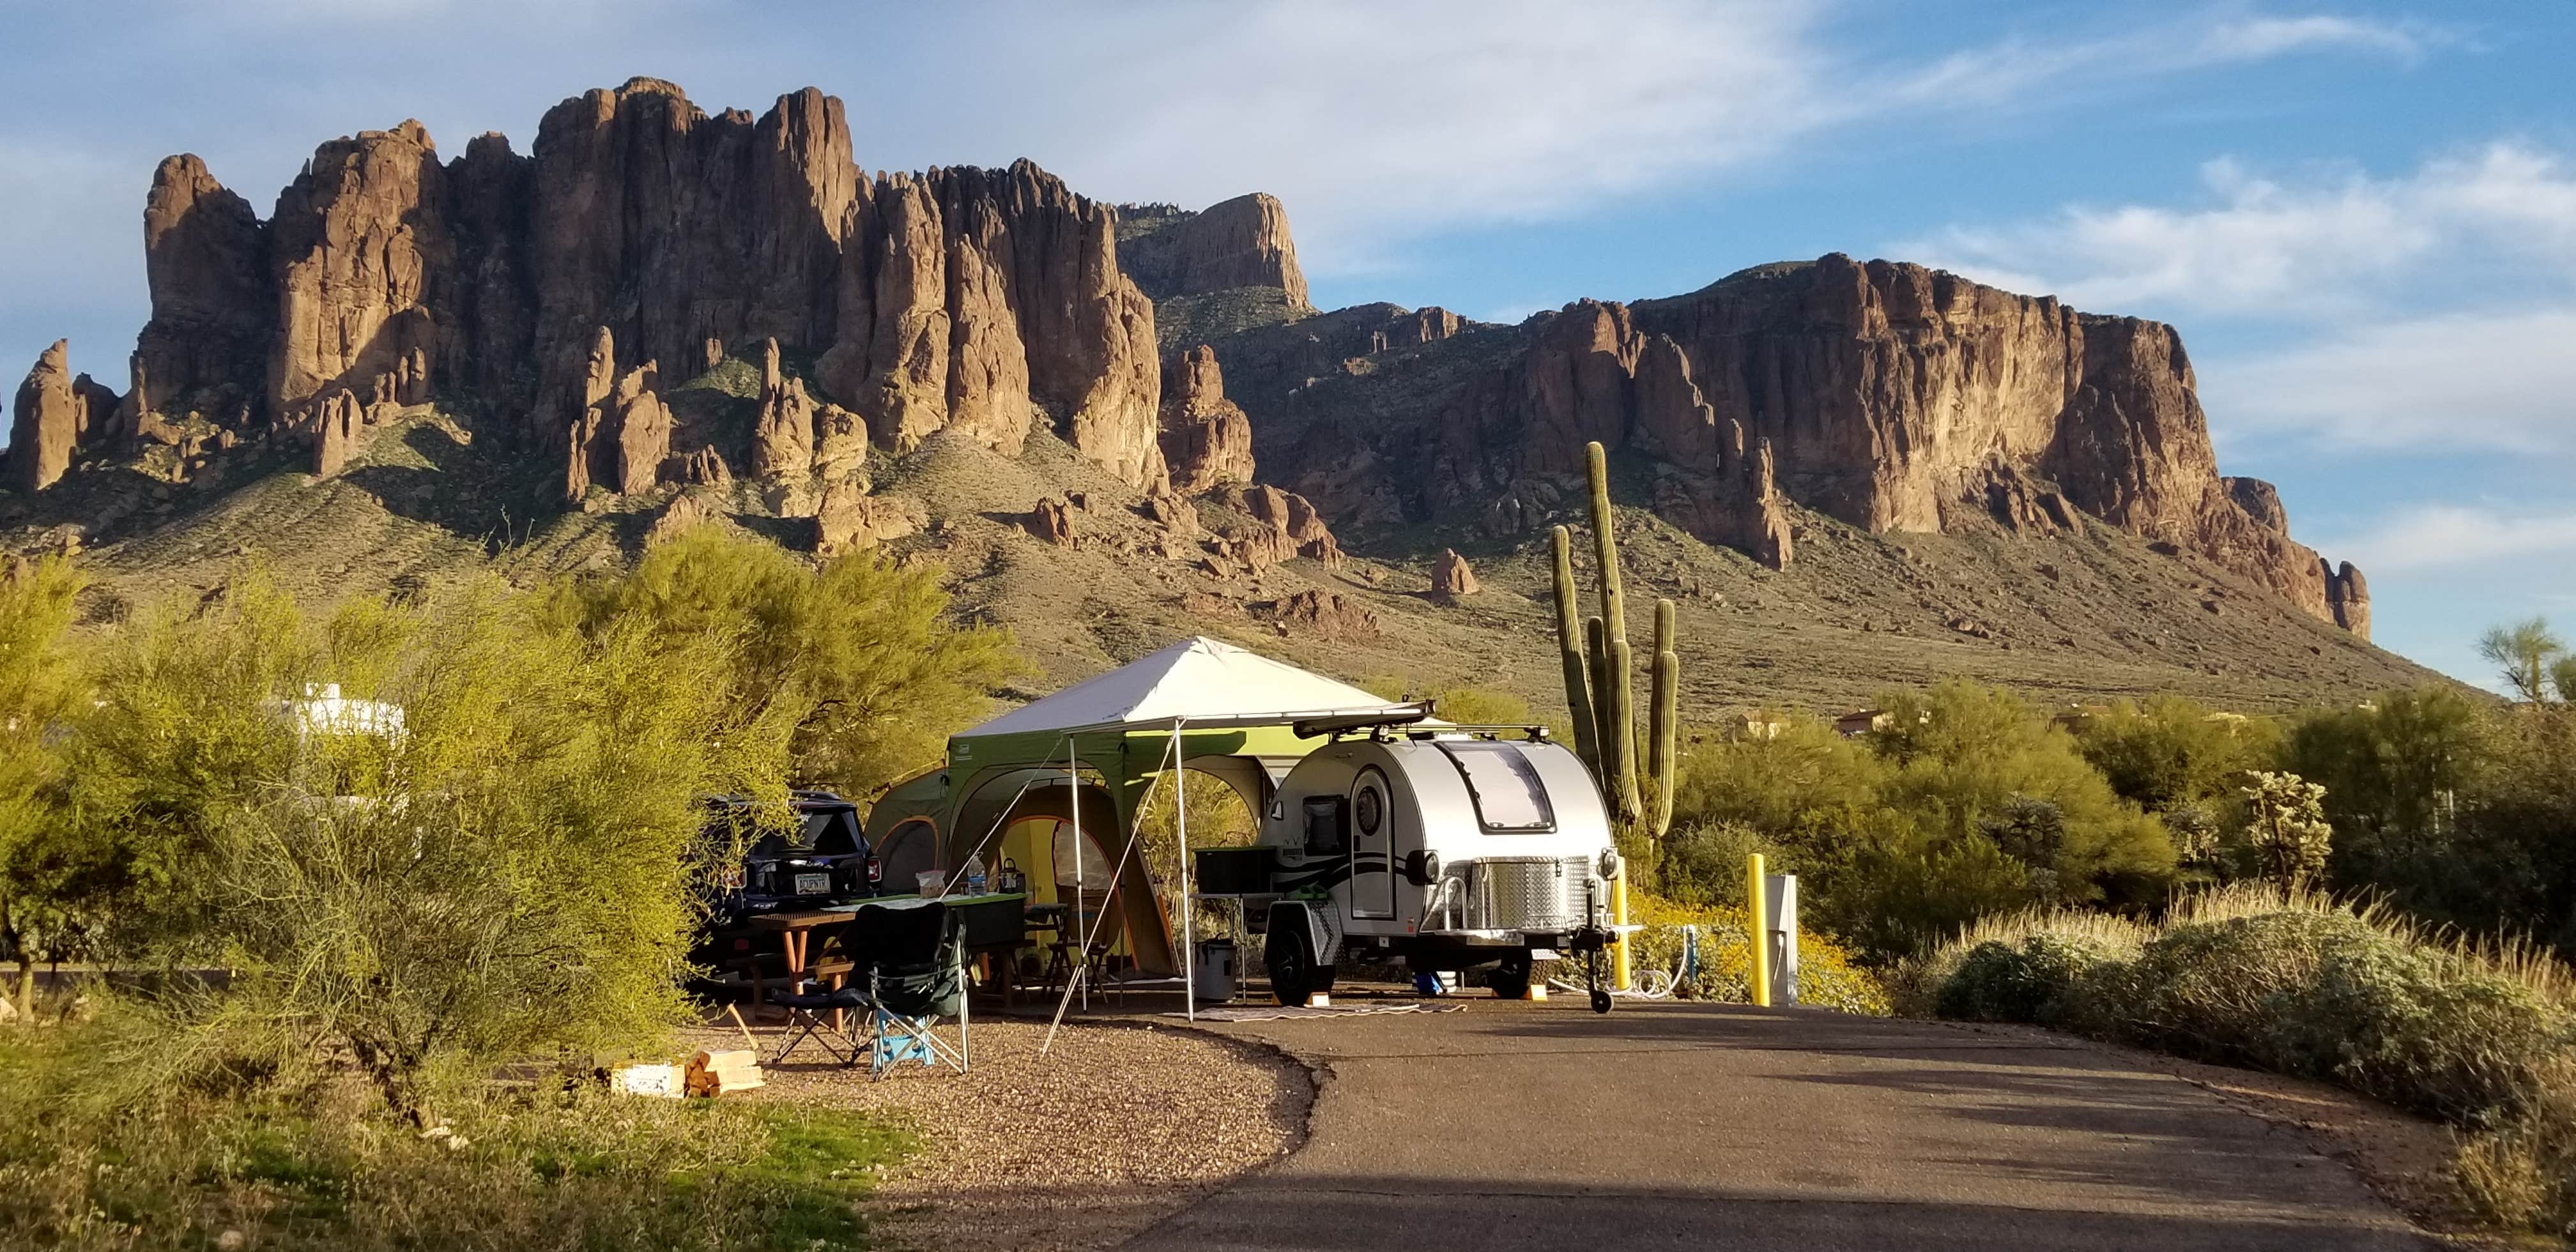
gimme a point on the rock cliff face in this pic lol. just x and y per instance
(961, 298)
(1242, 242)
(1886, 396)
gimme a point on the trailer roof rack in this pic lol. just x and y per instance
(1318, 727)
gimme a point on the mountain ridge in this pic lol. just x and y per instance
(660, 317)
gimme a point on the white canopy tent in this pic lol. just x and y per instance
(1202, 696)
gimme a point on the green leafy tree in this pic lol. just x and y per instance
(1964, 753)
(2170, 750)
(2526, 654)
(855, 662)
(39, 689)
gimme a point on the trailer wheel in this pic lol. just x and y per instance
(1291, 958)
(1511, 977)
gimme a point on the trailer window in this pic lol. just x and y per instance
(1509, 797)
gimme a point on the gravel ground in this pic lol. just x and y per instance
(1116, 1128)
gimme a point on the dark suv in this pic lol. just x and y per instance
(823, 859)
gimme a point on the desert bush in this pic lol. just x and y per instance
(2037, 981)
(1967, 803)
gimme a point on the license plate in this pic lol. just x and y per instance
(813, 884)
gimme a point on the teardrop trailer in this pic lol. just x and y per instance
(1447, 847)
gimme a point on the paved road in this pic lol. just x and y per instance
(1510, 1127)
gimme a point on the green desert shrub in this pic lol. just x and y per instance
(2039, 981)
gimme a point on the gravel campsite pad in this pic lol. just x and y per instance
(1116, 1127)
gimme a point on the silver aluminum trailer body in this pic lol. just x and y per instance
(1447, 849)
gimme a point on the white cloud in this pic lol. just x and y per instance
(2443, 538)
(2015, 69)
(2330, 244)
(2257, 39)
(2485, 381)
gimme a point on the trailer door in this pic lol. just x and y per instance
(1372, 847)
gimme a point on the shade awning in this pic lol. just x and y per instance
(1201, 682)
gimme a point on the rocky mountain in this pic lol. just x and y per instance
(415, 367)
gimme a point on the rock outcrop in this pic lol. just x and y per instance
(1325, 615)
(2348, 599)
(361, 263)
(783, 442)
(1207, 439)
(214, 301)
(46, 423)
(1242, 242)
(850, 520)
(1450, 576)
(1285, 525)
(1052, 521)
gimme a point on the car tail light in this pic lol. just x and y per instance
(876, 871)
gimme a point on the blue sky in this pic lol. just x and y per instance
(2362, 216)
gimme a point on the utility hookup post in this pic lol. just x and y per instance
(1758, 928)
(1780, 910)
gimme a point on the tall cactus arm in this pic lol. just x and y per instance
(1605, 732)
(1605, 544)
(1569, 642)
(1623, 747)
(1664, 731)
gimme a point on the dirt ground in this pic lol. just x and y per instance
(1114, 1128)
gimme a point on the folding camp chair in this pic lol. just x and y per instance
(809, 1018)
(811, 1007)
(915, 955)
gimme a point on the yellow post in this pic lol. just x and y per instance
(1754, 904)
(1619, 917)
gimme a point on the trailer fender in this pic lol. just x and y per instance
(1319, 928)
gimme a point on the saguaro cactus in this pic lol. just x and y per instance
(1600, 680)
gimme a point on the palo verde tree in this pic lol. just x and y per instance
(854, 661)
(39, 688)
(2530, 657)
(1600, 687)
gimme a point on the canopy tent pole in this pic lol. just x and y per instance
(1133, 841)
(1073, 803)
(1181, 824)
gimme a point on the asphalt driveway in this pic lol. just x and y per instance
(1516, 1126)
